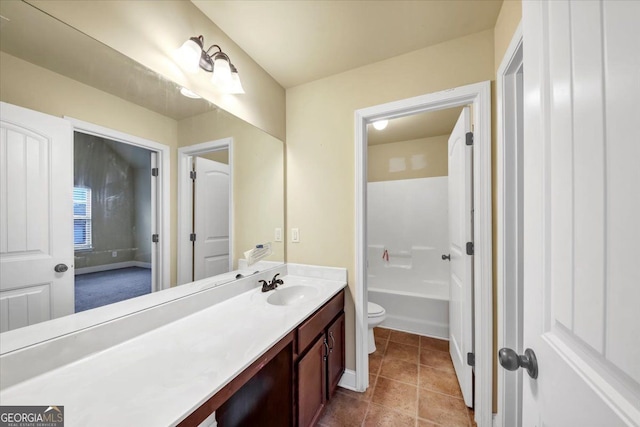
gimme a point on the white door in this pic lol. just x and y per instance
(461, 269)
(581, 204)
(36, 217)
(211, 219)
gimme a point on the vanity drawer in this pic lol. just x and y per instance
(315, 325)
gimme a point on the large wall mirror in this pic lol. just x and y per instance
(126, 121)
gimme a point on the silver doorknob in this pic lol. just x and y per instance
(60, 268)
(510, 360)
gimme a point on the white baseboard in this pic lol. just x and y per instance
(142, 264)
(348, 380)
(114, 266)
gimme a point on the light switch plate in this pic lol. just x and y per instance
(278, 235)
(295, 235)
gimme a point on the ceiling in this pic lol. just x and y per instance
(416, 126)
(62, 49)
(300, 41)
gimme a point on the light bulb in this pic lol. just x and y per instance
(235, 86)
(221, 73)
(380, 124)
(189, 56)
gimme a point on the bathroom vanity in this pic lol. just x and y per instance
(254, 358)
(291, 383)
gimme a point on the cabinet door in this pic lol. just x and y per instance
(336, 364)
(312, 383)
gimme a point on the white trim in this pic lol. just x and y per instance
(348, 380)
(185, 203)
(163, 203)
(478, 94)
(506, 169)
(113, 266)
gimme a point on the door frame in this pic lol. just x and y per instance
(508, 299)
(185, 203)
(479, 95)
(161, 261)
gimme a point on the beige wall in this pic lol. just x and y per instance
(320, 143)
(220, 156)
(151, 31)
(417, 158)
(258, 177)
(506, 24)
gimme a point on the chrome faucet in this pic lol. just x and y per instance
(266, 287)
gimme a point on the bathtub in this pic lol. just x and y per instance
(424, 313)
(413, 304)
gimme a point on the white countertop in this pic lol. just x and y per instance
(160, 377)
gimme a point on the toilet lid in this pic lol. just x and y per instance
(374, 309)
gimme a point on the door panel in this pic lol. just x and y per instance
(580, 225)
(312, 389)
(36, 211)
(211, 219)
(461, 266)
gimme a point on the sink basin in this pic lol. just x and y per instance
(292, 295)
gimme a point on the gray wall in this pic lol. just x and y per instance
(120, 198)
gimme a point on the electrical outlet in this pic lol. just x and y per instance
(114, 254)
(278, 236)
(295, 235)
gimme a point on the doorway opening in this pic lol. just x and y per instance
(112, 214)
(121, 215)
(205, 214)
(419, 208)
(408, 222)
(478, 96)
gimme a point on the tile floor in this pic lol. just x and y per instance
(411, 383)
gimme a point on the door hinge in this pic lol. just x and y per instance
(469, 248)
(192, 237)
(471, 359)
(155, 171)
(155, 238)
(469, 136)
(192, 175)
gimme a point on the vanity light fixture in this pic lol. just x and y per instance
(225, 76)
(380, 124)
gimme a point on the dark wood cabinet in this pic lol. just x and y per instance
(320, 365)
(335, 360)
(312, 394)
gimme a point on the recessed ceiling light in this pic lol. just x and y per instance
(380, 124)
(189, 94)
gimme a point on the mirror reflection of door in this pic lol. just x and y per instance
(211, 213)
(36, 250)
(112, 221)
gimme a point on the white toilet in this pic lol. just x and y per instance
(376, 315)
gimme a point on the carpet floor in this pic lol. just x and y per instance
(106, 287)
